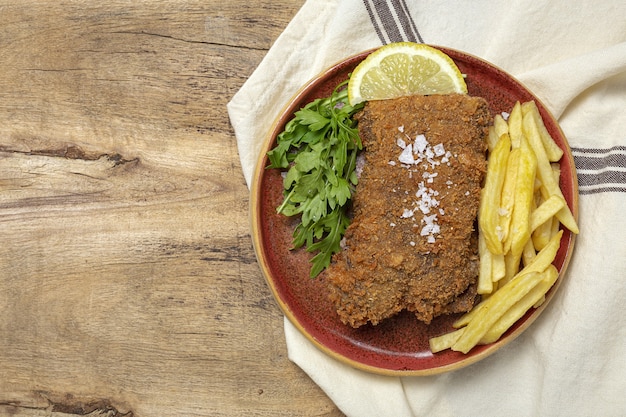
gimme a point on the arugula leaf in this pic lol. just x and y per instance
(319, 147)
(312, 118)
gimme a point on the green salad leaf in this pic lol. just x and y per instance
(318, 149)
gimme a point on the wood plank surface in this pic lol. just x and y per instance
(129, 285)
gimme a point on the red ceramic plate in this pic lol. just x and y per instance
(399, 345)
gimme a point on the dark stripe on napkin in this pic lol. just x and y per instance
(392, 21)
(601, 170)
(407, 22)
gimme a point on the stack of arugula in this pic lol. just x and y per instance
(319, 147)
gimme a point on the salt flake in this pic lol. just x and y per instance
(439, 150)
(406, 157)
(420, 143)
(407, 213)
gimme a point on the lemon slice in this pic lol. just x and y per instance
(402, 69)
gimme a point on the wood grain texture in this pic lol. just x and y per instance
(129, 286)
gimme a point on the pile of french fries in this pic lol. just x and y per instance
(521, 211)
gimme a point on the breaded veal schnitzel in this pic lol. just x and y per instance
(412, 243)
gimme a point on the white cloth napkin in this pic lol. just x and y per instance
(572, 55)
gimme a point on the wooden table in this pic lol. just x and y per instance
(129, 285)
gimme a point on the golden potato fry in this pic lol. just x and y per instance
(567, 219)
(553, 151)
(445, 341)
(529, 252)
(546, 211)
(515, 125)
(507, 199)
(484, 315)
(542, 234)
(545, 256)
(519, 231)
(556, 225)
(500, 125)
(495, 307)
(544, 171)
(539, 302)
(492, 138)
(517, 310)
(556, 169)
(485, 273)
(498, 267)
(467, 317)
(488, 217)
(511, 266)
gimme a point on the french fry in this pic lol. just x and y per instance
(517, 310)
(495, 307)
(515, 125)
(488, 218)
(545, 173)
(545, 256)
(556, 169)
(556, 225)
(511, 266)
(500, 125)
(546, 211)
(485, 309)
(553, 151)
(500, 301)
(542, 234)
(467, 317)
(496, 284)
(507, 199)
(539, 302)
(529, 252)
(498, 267)
(492, 138)
(445, 341)
(520, 230)
(485, 272)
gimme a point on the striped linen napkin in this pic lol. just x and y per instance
(572, 55)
